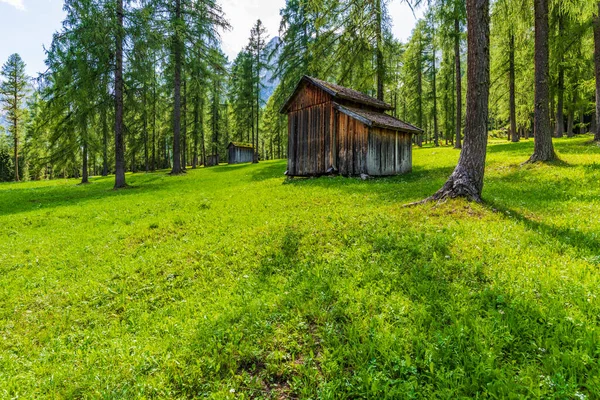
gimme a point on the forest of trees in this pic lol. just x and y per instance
(144, 85)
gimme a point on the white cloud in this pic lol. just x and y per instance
(18, 4)
(242, 15)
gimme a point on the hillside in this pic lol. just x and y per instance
(231, 282)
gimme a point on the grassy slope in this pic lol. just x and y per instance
(229, 282)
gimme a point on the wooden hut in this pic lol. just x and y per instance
(212, 160)
(240, 153)
(333, 129)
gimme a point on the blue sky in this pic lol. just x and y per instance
(27, 25)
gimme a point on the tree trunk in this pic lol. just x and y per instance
(16, 142)
(513, 106)
(145, 128)
(436, 138)
(104, 117)
(560, 118)
(84, 169)
(154, 115)
(196, 131)
(571, 121)
(119, 140)
(467, 178)
(177, 94)
(184, 128)
(543, 148)
(457, 71)
(597, 70)
(380, 60)
(256, 157)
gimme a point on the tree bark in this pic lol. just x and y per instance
(177, 50)
(457, 71)
(513, 103)
(184, 128)
(571, 120)
(597, 70)
(119, 140)
(467, 179)
(543, 147)
(196, 131)
(436, 138)
(560, 114)
(16, 141)
(104, 117)
(84, 169)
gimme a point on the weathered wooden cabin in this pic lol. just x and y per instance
(212, 160)
(240, 153)
(333, 129)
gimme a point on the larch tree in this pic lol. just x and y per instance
(119, 104)
(256, 47)
(467, 179)
(597, 69)
(543, 147)
(13, 91)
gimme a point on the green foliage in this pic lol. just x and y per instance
(233, 283)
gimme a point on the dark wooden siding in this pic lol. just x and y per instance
(310, 140)
(238, 155)
(309, 96)
(352, 143)
(320, 137)
(212, 160)
(389, 152)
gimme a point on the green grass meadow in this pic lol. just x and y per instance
(232, 282)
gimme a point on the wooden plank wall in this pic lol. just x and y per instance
(389, 152)
(310, 140)
(309, 96)
(238, 155)
(352, 144)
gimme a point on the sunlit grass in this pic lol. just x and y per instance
(231, 282)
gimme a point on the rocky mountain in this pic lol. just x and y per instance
(270, 82)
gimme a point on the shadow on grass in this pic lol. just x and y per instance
(24, 199)
(572, 237)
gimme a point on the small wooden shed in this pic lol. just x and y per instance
(240, 153)
(212, 160)
(333, 129)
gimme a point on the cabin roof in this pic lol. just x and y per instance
(378, 119)
(338, 93)
(240, 144)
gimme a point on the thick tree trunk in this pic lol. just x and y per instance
(597, 70)
(543, 148)
(380, 60)
(457, 72)
(467, 178)
(119, 131)
(513, 103)
(177, 49)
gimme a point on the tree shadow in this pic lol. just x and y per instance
(24, 199)
(571, 236)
